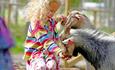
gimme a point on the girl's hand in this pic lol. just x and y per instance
(64, 56)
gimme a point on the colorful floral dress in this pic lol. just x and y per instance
(41, 41)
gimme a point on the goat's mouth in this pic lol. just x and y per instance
(76, 17)
(74, 27)
(68, 57)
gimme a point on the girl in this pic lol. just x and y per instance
(41, 48)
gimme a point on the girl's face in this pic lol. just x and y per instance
(53, 6)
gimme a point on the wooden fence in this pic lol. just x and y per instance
(10, 11)
(104, 12)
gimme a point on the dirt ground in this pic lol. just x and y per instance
(19, 63)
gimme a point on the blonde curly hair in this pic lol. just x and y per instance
(37, 8)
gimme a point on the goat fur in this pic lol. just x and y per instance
(96, 46)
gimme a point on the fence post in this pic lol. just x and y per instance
(67, 6)
(9, 12)
(2, 8)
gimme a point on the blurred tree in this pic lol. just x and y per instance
(23, 1)
(14, 4)
(75, 3)
(71, 4)
(96, 0)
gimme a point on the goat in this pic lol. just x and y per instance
(75, 20)
(80, 21)
(96, 46)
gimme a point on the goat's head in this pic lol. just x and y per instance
(78, 20)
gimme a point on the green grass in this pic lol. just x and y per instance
(18, 48)
(19, 34)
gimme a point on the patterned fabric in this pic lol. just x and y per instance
(6, 40)
(43, 60)
(41, 35)
(41, 39)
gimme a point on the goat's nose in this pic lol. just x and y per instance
(77, 16)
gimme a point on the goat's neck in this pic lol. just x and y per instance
(93, 51)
